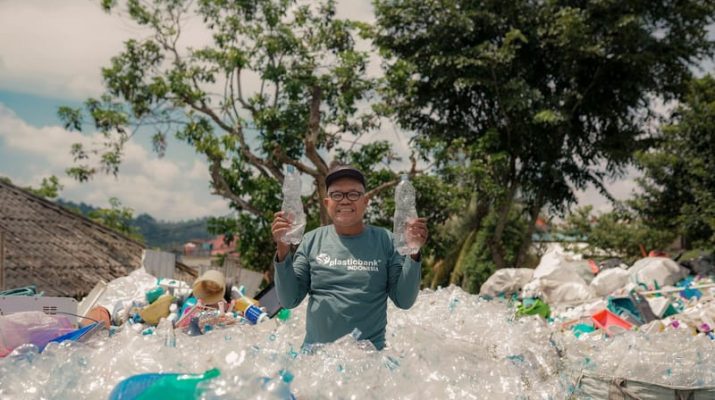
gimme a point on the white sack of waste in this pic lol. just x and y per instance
(660, 270)
(506, 281)
(559, 265)
(555, 292)
(609, 281)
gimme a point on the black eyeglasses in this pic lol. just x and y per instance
(352, 196)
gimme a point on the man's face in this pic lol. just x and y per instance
(346, 213)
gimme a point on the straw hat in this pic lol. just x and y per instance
(210, 287)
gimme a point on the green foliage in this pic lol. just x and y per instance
(467, 259)
(537, 99)
(679, 172)
(294, 89)
(478, 261)
(619, 233)
(117, 218)
(72, 117)
(451, 241)
(49, 188)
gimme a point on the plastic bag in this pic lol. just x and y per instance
(660, 271)
(506, 281)
(558, 265)
(609, 281)
(566, 292)
(127, 288)
(33, 327)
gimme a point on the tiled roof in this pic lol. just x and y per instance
(59, 251)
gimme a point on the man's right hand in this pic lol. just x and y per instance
(278, 230)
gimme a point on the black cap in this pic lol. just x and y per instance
(344, 171)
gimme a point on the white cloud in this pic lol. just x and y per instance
(56, 48)
(42, 141)
(165, 188)
(356, 10)
(199, 170)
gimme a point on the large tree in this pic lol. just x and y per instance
(679, 171)
(535, 98)
(281, 83)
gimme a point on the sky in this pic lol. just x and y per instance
(51, 54)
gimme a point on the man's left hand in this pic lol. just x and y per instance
(417, 234)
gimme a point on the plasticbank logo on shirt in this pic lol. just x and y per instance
(351, 264)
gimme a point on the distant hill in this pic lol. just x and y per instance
(157, 234)
(170, 235)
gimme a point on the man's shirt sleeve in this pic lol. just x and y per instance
(404, 275)
(292, 277)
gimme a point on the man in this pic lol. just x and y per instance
(349, 268)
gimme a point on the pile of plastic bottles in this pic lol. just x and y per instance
(448, 345)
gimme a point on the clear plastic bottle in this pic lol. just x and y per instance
(293, 207)
(405, 211)
(165, 329)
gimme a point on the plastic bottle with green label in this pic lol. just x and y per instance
(162, 386)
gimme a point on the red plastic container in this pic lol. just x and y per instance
(610, 323)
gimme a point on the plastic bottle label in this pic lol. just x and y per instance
(254, 314)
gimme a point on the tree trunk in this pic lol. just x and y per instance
(440, 274)
(495, 243)
(322, 192)
(457, 274)
(526, 241)
(450, 267)
(311, 150)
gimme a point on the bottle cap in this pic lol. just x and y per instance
(284, 314)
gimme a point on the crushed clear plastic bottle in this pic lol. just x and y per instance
(165, 329)
(293, 207)
(405, 211)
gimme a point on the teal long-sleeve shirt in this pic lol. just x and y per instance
(349, 279)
